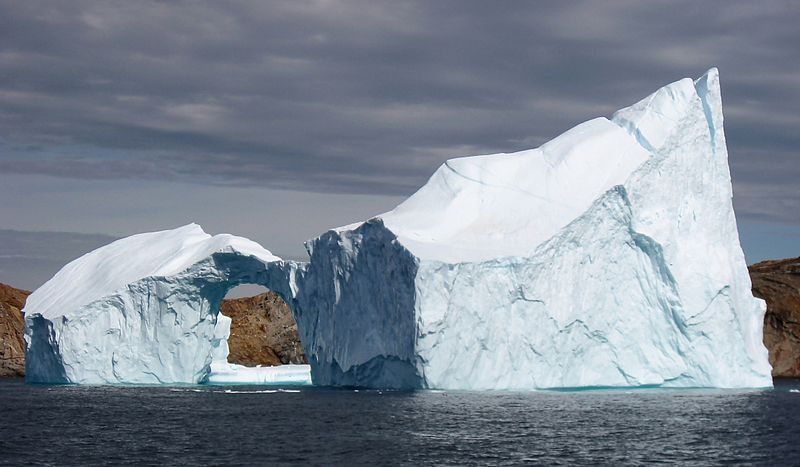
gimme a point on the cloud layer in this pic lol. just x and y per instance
(29, 259)
(369, 97)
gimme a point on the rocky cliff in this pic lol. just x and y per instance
(778, 283)
(12, 346)
(263, 331)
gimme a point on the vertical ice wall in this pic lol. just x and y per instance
(355, 309)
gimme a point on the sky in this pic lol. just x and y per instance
(279, 120)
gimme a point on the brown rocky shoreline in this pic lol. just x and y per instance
(778, 283)
(12, 346)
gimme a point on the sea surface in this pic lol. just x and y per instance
(258, 425)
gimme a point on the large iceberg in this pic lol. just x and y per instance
(608, 257)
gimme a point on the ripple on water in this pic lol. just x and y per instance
(257, 425)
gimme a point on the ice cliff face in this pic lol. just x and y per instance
(607, 257)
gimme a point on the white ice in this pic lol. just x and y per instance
(228, 373)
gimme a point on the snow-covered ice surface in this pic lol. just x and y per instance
(608, 257)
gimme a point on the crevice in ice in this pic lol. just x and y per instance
(692, 321)
(517, 189)
(630, 380)
(655, 252)
(704, 93)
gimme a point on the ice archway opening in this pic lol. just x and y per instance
(256, 340)
(239, 273)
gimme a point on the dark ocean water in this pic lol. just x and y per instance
(247, 425)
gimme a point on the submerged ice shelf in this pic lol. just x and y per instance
(284, 375)
(608, 256)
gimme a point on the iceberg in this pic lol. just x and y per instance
(141, 310)
(607, 257)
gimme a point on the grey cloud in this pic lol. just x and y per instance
(29, 259)
(369, 97)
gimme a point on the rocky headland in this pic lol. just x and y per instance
(12, 346)
(778, 283)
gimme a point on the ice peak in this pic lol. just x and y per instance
(708, 90)
(191, 227)
(653, 118)
(710, 76)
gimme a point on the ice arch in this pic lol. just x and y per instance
(143, 309)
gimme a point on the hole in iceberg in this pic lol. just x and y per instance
(263, 330)
(257, 341)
